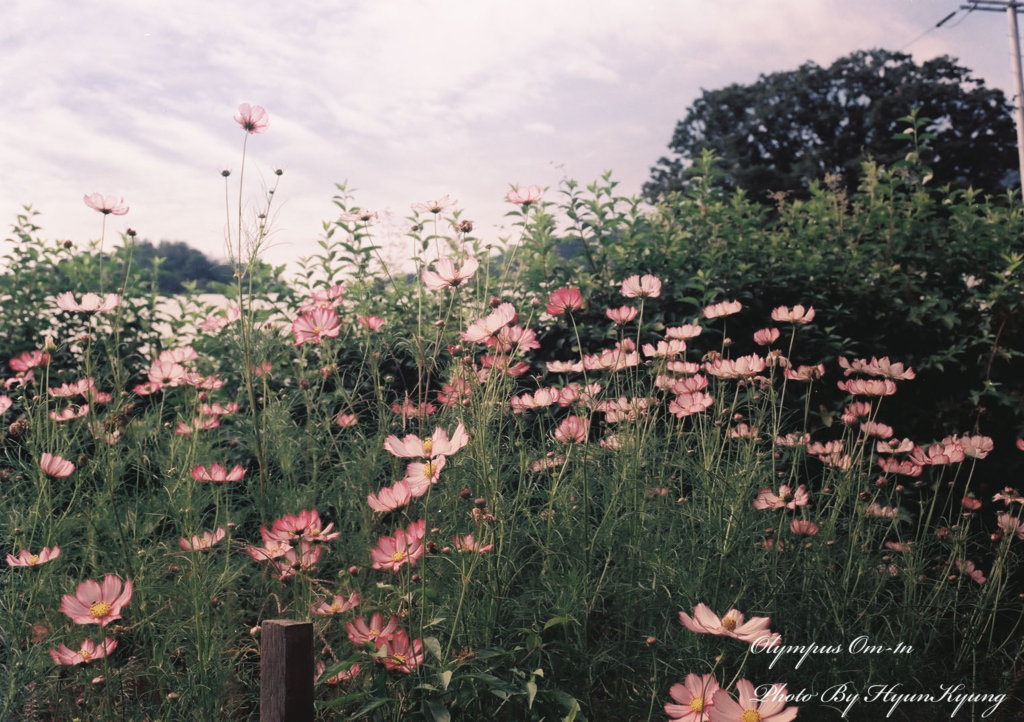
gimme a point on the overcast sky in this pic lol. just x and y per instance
(407, 100)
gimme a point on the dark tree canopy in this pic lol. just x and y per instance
(790, 128)
(181, 263)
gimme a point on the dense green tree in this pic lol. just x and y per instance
(790, 128)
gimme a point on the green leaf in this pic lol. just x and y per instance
(435, 712)
(370, 706)
(446, 679)
(433, 646)
(555, 621)
(339, 701)
(531, 693)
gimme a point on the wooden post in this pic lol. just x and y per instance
(286, 671)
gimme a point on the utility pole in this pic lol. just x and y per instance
(1010, 7)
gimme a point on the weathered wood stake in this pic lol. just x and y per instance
(286, 671)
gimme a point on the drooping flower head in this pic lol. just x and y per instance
(252, 118)
(202, 543)
(55, 466)
(641, 287)
(86, 653)
(93, 603)
(26, 558)
(106, 204)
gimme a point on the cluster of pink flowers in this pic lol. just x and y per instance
(401, 653)
(294, 543)
(93, 603)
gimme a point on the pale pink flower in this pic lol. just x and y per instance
(665, 349)
(218, 409)
(150, 387)
(481, 330)
(565, 300)
(403, 655)
(1008, 495)
(1020, 443)
(345, 675)
(705, 621)
(968, 568)
(5, 403)
(742, 431)
(165, 373)
(437, 444)
(646, 287)
(446, 275)
(874, 428)
(524, 196)
(688, 384)
(373, 323)
(787, 498)
(80, 387)
(550, 461)
(868, 387)
(688, 404)
(977, 447)
(439, 206)
(29, 360)
(572, 430)
(198, 543)
(391, 497)
(883, 367)
(771, 709)
(468, 544)
(798, 314)
(805, 373)
(564, 367)
(294, 561)
(684, 332)
(178, 355)
(793, 439)
(884, 512)
(894, 466)
(725, 308)
(694, 697)
(970, 503)
(305, 525)
(856, 411)
(338, 604)
(55, 466)
(743, 367)
(898, 546)
(271, 549)
(315, 325)
(252, 118)
(26, 558)
(766, 336)
(69, 413)
(858, 365)
(829, 447)
(91, 302)
(420, 475)
(346, 420)
(514, 339)
(938, 455)
(21, 380)
(217, 473)
(362, 215)
(392, 552)
(686, 368)
(622, 315)
(801, 527)
(359, 632)
(87, 652)
(95, 604)
(113, 205)
(1009, 525)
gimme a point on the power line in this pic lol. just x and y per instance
(936, 26)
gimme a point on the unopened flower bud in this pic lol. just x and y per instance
(225, 173)
(466, 493)
(68, 244)
(278, 172)
(480, 502)
(353, 569)
(651, 641)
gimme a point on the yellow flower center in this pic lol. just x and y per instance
(398, 556)
(751, 715)
(428, 447)
(204, 542)
(375, 633)
(99, 609)
(335, 607)
(34, 559)
(86, 654)
(314, 532)
(398, 658)
(697, 704)
(730, 625)
(428, 470)
(317, 329)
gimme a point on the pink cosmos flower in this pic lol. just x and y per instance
(271, 549)
(447, 275)
(178, 355)
(705, 621)
(202, 543)
(968, 568)
(695, 698)
(748, 709)
(29, 360)
(1009, 525)
(622, 315)
(514, 339)
(977, 447)
(905, 467)
(766, 336)
(315, 325)
(1008, 495)
(345, 675)
(338, 604)
(636, 287)
(420, 475)
(403, 655)
(806, 373)
(150, 387)
(743, 367)
(665, 349)
(684, 332)
(787, 498)
(217, 473)
(793, 439)
(392, 497)
(874, 428)
(392, 552)
(468, 544)
(305, 525)
(113, 205)
(884, 512)
(252, 118)
(373, 323)
(801, 527)
(437, 444)
(687, 404)
(970, 503)
(86, 653)
(725, 308)
(481, 330)
(1020, 443)
(362, 215)
(376, 631)
(524, 196)
(69, 413)
(55, 466)
(165, 373)
(91, 302)
(65, 391)
(26, 558)
(572, 430)
(439, 206)
(293, 561)
(565, 300)
(938, 455)
(346, 420)
(218, 409)
(868, 387)
(798, 314)
(95, 604)
(564, 367)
